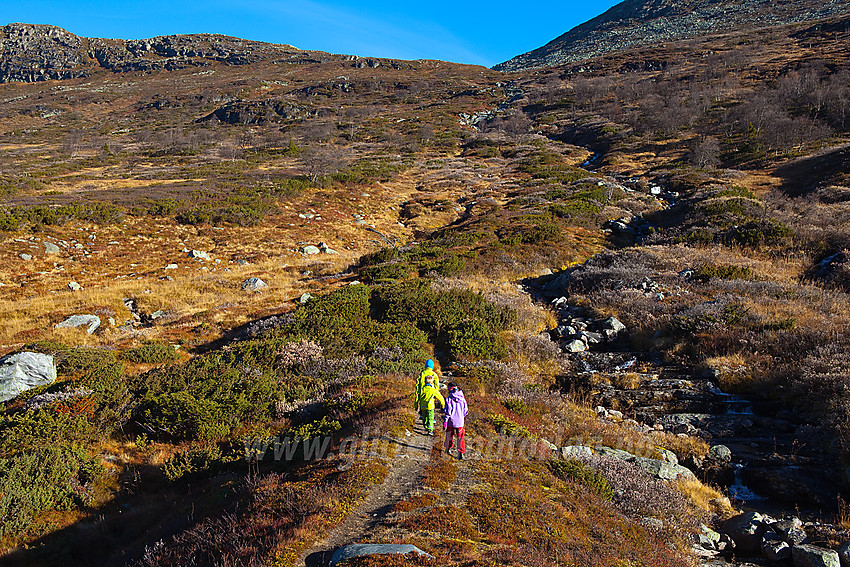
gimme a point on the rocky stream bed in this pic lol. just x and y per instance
(761, 455)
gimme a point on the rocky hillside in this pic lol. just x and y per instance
(646, 22)
(31, 52)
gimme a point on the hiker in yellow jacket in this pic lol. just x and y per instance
(425, 403)
(420, 382)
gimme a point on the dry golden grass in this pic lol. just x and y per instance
(706, 497)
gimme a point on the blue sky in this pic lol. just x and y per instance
(477, 32)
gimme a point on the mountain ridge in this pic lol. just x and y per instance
(635, 23)
(38, 52)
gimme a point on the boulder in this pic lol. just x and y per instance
(791, 530)
(613, 324)
(305, 297)
(23, 371)
(774, 548)
(806, 555)
(50, 248)
(591, 338)
(24, 256)
(254, 284)
(575, 346)
(74, 286)
(310, 250)
(706, 538)
(719, 454)
(361, 549)
(74, 321)
(746, 530)
(197, 255)
(171, 267)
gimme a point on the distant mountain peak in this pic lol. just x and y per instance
(635, 23)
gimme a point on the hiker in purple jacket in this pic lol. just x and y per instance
(453, 420)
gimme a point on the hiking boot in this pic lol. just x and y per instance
(460, 456)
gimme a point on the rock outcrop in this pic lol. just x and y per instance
(32, 52)
(635, 23)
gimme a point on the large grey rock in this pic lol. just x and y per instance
(662, 469)
(254, 284)
(310, 250)
(591, 338)
(806, 555)
(74, 321)
(50, 248)
(774, 548)
(197, 255)
(576, 451)
(746, 530)
(74, 286)
(24, 256)
(361, 549)
(24, 371)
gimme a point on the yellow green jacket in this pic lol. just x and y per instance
(420, 383)
(427, 395)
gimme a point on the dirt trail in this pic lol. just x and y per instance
(404, 478)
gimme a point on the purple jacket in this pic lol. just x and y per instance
(455, 410)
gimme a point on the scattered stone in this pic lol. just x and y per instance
(591, 338)
(198, 255)
(171, 267)
(74, 286)
(327, 249)
(158, 314)
(74, 321)
(305, 298)
(23, 371)
(575, 346)
(241, 262)
(50, 248)
(310, 249)
(806, 555)
(361, 549)
(254, 284)
(774, 548)
(24, 256)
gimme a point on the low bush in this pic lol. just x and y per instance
(154, 353)
(571, 469)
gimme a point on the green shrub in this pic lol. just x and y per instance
(315, 429)
(506, 426)
(708, 272)
(49, 477)
(576, 471)
(474, 338)
(154, 353)
(386, 272)
(192, 461)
